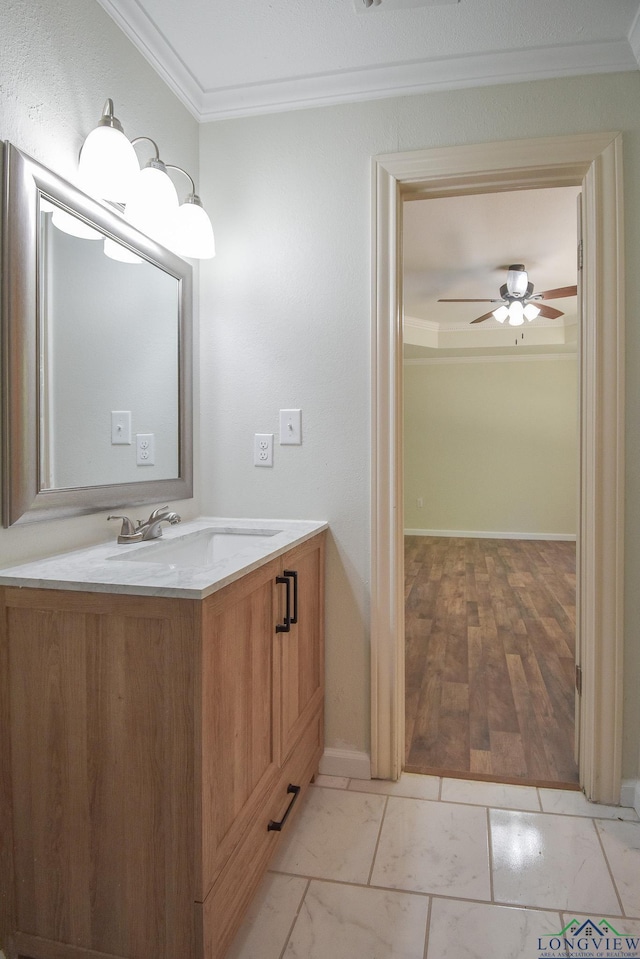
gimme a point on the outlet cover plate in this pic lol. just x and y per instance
(263, 449)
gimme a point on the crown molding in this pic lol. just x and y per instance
(156, 49)
(369, 83)
(422, 76)
(540, 322)
(489, 358)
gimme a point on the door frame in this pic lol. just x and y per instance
(593, 161)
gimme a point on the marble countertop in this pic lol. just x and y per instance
(111, 568)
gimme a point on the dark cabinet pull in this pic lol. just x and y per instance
(277, 826)
(285, 625)
(294, 576)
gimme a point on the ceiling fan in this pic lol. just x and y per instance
(518, 300)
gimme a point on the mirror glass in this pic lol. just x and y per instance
(97, 359)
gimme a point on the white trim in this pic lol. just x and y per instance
(510, 358)
(368, 83)
(414, 77)
(484, 534)
(595, 161)
(350, 763)
(156, 49)
(630, 794)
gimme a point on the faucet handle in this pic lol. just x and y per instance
(128, 528)
(157, 512)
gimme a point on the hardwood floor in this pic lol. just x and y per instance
(490, 658)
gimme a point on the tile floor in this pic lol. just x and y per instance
(431, 868)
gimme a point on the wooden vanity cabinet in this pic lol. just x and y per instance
(147, 745)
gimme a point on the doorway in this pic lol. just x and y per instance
(490, 488)
(594, 162)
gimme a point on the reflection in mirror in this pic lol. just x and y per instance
(121, 354)
(96, 323)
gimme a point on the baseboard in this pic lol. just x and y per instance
(346, 762)
(630, 794)
(484, 534)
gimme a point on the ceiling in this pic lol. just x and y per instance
(230, 58)
(234, 58)
(460, 246)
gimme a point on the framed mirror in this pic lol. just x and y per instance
(96, 354)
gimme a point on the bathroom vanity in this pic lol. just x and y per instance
(160, 724)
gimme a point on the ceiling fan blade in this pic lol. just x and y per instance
(549, 311)
(466, 301)
(560, 292)
(481, 319)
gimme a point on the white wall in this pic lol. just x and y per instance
(60, 61)
(285, 316)
(490, 446)
(286, 322)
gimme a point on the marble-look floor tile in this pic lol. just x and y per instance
(352, 922)
(572, 803)
(334, 836)
(470, 930)
(268, 922)
(621, 841)
(433, 847)
(410, 785)
(331, 782)
(554, 862)
(490, 794)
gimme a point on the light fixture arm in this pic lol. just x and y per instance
(137, 140)
(108, 119)
(193, 196)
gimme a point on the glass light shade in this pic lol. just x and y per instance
(115, 251)
(501, 313)
(108, 165)
(517, 282)
(516, 314)
(153, 205)
(73, 225)
(194, 233)
(531, 311)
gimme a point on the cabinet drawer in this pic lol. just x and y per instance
(220, 916)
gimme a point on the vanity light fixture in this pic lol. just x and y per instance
(150, 200)
(108, 161)
(152, 206)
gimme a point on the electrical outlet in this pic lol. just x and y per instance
(145, 449)
(263, 449)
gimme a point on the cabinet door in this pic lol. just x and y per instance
(237, 751)
(300, 651)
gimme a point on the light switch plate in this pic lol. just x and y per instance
(120, 427)
(290, 427)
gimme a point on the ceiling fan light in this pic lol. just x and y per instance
(501, 313)
(531, 311)
(517, 280)
(516, 314)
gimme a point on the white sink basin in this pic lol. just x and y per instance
(200, 549)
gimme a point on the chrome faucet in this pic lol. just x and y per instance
(151, 529)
